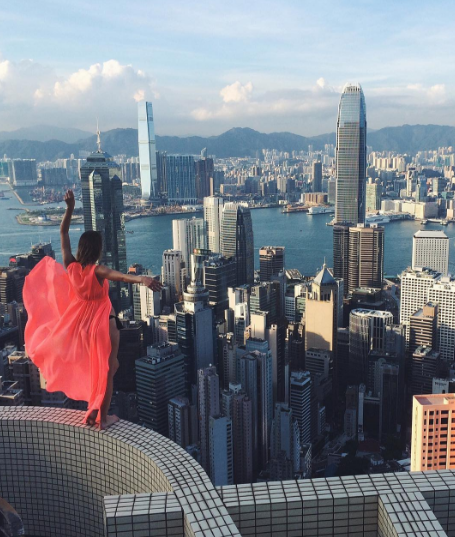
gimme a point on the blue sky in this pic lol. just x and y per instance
(209, 66)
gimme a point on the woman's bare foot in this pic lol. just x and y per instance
(110, 420)
(91, 418)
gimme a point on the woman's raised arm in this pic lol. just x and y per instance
(67, 255)
(105, 273)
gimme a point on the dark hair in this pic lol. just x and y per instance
(89, 248)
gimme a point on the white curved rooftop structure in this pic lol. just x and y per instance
(67, 479)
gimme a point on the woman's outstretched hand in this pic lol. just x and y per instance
(69, 200)
(151, 283)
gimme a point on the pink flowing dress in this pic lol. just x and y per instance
(67, 332)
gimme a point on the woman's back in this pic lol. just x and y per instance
(85, 284)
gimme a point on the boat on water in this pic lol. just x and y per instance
(377, 219)
(444, 223)
(295, 209)
(423, 222)
(319, 209)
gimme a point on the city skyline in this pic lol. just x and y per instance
(250, 70)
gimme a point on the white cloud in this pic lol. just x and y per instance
(238, 102)
(32, 93)
(236, 93)
(4, 67)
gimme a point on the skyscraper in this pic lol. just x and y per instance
(255, 376)
(423, 327)
(443, 294)
(195, 323)
(321, 312)
(430, 249)
(147, 150)
(237, 240)
(271, 262)
(182, 421)
(213, 210)
(221, 464)
(366, 257)
(102, 200)
(204, 174)
(341, 254)
(241, 414)
(300, 402)
(414, 292)
(209, 406)
(284, 444)
(171, 273)
(160, 376)
(351, 156)
(373, 196)
(220, 273)
(188, 234)
(317, 176)
(181, 179)
(367, 332)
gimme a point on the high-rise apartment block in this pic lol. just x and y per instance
(432, 443)
(271, 262)
(430, 249)
(255, 377)
(209, 406)
(160, 376)
(237, 240)
(241, 414)
(221, 461)
(351, 153)
(284, 444)
(147, 151)
(443, 294)
(182, 421)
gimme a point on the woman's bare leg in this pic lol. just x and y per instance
(106, 420)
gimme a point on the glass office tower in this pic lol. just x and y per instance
(351, 154)
(147, 151)
(102, 201)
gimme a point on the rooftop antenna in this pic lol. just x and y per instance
(98, 140)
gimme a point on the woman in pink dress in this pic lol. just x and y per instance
(72, 332)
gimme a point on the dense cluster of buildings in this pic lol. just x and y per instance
(266, 374)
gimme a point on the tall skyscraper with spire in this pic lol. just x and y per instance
(194, 320)
(102, 200)
(351, 156)
(147, 151)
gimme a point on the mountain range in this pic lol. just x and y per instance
(237, 142)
